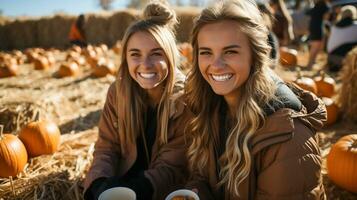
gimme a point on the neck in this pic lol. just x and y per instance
(232, 102)
(155, 95)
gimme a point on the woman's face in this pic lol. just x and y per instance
(224, 57)
(147, 62)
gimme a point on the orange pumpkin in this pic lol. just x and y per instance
(13, 154)
(8, 70)
(288, 57)
(186, 50)
(342, 163)
(305, 83)
(325, 85)
(117, 48)
(41, 63)
(40, 137)
(68, 69)
(103, 68)
(104, 47)
(332, 110)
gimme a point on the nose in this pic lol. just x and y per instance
(218, 62)
(147, 63)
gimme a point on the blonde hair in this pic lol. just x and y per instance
(158, 20)
(256, 92)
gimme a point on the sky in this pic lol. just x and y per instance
(48, 7)
(35, 8)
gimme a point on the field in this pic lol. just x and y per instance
(75, 104)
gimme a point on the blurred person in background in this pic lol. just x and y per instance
(319, 14)
(267, 14)
(76, 34)
(283, 23)
(343, 37)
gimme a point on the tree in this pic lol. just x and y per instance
(106, 4)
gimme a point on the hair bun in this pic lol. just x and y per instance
(160, 13)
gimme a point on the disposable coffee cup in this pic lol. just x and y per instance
(182, 193)
(118, 193)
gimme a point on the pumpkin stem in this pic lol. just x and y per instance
(298, 70)
(37, 115)
(322, 74)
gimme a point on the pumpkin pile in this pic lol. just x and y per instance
(342, 163)
(326, 90)
(39, 137)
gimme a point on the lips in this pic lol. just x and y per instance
(147, 75)
(221, 77)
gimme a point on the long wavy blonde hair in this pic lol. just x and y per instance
(158, 20)
(256, 92)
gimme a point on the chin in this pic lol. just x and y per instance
(220, 92)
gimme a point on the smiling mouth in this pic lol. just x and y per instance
(221, 78)
(147, 75)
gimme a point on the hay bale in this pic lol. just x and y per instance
(97, 27)
(53, 31)
(185, 16)
(348, 92)
(118, 23)
(15, 115)
(21, 34)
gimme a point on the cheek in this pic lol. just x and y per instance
(131, 68)
(202, 64)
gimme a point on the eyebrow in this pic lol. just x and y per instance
(156, 49)
(225, 48)
(232, 46)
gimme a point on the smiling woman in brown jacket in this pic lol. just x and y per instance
(253, 137)
(140, 143)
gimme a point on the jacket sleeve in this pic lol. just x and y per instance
(107, 148)
(167, 170)
(202, 186)
(292, 169)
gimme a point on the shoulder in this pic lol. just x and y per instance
(291, 167)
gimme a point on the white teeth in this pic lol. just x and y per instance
(147, 75)
(224, 77)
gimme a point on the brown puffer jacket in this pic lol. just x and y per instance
(168, 162)
(286, 160)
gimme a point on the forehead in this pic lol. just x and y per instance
(222, 33)
(142, 40)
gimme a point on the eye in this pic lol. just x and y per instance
(205, 53)
(229, 52)
(156, 54)
(135, 54)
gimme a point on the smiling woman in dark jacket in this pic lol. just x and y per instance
(253, 137)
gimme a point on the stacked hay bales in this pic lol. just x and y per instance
(53, 31)
(348, 92)
(186, 16)
(118, 23)
(104, 27)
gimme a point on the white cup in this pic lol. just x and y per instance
(183, 192)
(118, 193)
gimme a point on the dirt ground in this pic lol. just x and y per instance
(75, 104)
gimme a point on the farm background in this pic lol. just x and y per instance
(75, 102)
